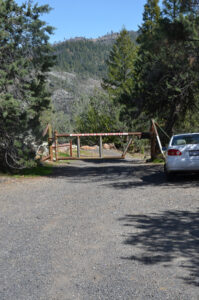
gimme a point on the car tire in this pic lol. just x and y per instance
(169, 176)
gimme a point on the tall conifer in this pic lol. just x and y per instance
(120, 66)
(25, 57)
(172, 8)
(151, 15)
(167, 69)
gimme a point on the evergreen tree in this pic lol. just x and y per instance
(120, 77)
(175, 7)
(120, 66)
(100, 115)
(25, 57)
(172, 8)
(168, 66)
(151, 15)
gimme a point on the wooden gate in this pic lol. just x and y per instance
(100, 135)
(152, 135)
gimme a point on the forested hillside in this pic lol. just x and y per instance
(80, 67)
(86, 56)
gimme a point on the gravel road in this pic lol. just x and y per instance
(100, 230)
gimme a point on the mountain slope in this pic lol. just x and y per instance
(86, 56)
(80, 67)
(68, 88)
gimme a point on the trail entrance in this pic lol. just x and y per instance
(65, 151)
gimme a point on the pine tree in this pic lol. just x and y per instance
(120, 76)
(151, 15)
(120, 66)
(100, 115)
(175, 7)
(172, 8)
(25, 57)
(168, 67)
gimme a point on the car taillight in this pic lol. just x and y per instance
(175, 152)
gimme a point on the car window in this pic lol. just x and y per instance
(185, 139)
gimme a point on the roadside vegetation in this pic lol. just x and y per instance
(40, 170)
(25, 57)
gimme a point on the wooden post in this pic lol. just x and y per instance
(100, 147)
(71, 149)
(127, 147)
(50, 142)
(78, 147)
(56, 146)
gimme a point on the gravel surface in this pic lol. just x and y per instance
(100, 230)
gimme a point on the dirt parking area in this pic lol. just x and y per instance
(104, 229)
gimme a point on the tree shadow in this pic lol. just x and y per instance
(121, 174)
(118, 160)
(155, 177)
(165, 237)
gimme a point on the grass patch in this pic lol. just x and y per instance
(158, 161)
(4, 174)
(84, 153)
(35, 171)
(60, 154)
(89, 153)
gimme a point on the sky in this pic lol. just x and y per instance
(91, 18)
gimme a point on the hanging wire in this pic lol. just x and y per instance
(162, 130)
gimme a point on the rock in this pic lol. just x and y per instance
(109, 146)
(42, 149)
(89, 147)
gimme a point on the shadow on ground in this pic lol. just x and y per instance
(121, 174)
(166, 237)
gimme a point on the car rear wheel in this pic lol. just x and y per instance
(169, 176)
